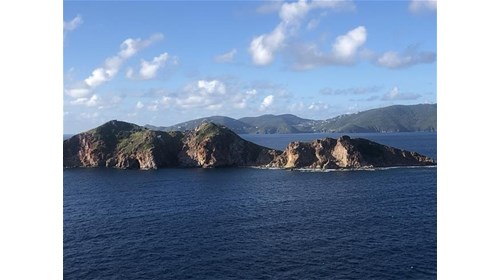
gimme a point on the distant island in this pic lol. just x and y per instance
(123, 145)
(396, 118)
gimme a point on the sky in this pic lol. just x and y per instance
(165, 62)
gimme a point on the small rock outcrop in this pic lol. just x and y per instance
(346, 153)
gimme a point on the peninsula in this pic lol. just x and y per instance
(123, 145)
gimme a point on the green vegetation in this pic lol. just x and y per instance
(270, 124)
(397, 118)
(235, 125)
(136, 141)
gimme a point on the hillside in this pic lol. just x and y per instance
(235, 125)
(397, 118)
(270, 124)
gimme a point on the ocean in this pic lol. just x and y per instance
(248, 223)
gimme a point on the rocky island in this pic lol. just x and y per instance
(123, 145)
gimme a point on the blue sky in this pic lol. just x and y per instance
(164, 62)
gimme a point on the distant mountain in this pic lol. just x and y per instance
(235, 125)
(270, 124)
(397, 118)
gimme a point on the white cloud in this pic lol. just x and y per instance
(240, 100)
(149, 69)
(344, 51)
(293, 13)
(166, 101)
(139, 105)
(395, 60)
(417, 6)
(72, 24)
(99, 76)
(78, 91)
(395, 94)
(153, 107)
(251, 92)
(204, 96)
(226, 57)
(345, 46)
(89, 102)
(268, 101)
(318, 106)
(111, 66)
(201, 94)
(263, 47)
(213, 86)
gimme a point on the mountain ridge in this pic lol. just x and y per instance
(394, 118)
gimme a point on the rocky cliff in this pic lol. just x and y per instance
(211, 145)
(123, 145)
(345, 153)
(128, 146)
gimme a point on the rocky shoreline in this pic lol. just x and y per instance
(123, 145)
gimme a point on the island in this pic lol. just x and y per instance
(118, 144)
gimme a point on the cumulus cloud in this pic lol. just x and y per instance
(226, 57)
(395, 94)
(73, 24)
(266, 102)
(213, 86)
(344, 51)
(110, 67)
(149, 69)
(418, 6)
(263, 47)
(394, 60)
(214, 95)
(294, 12)
(240, 101)
(345, 46)
(201, 94)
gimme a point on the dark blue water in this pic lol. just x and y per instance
(254, 224)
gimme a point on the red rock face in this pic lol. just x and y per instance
(212, 146)
(127, 146)
(345, 153)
